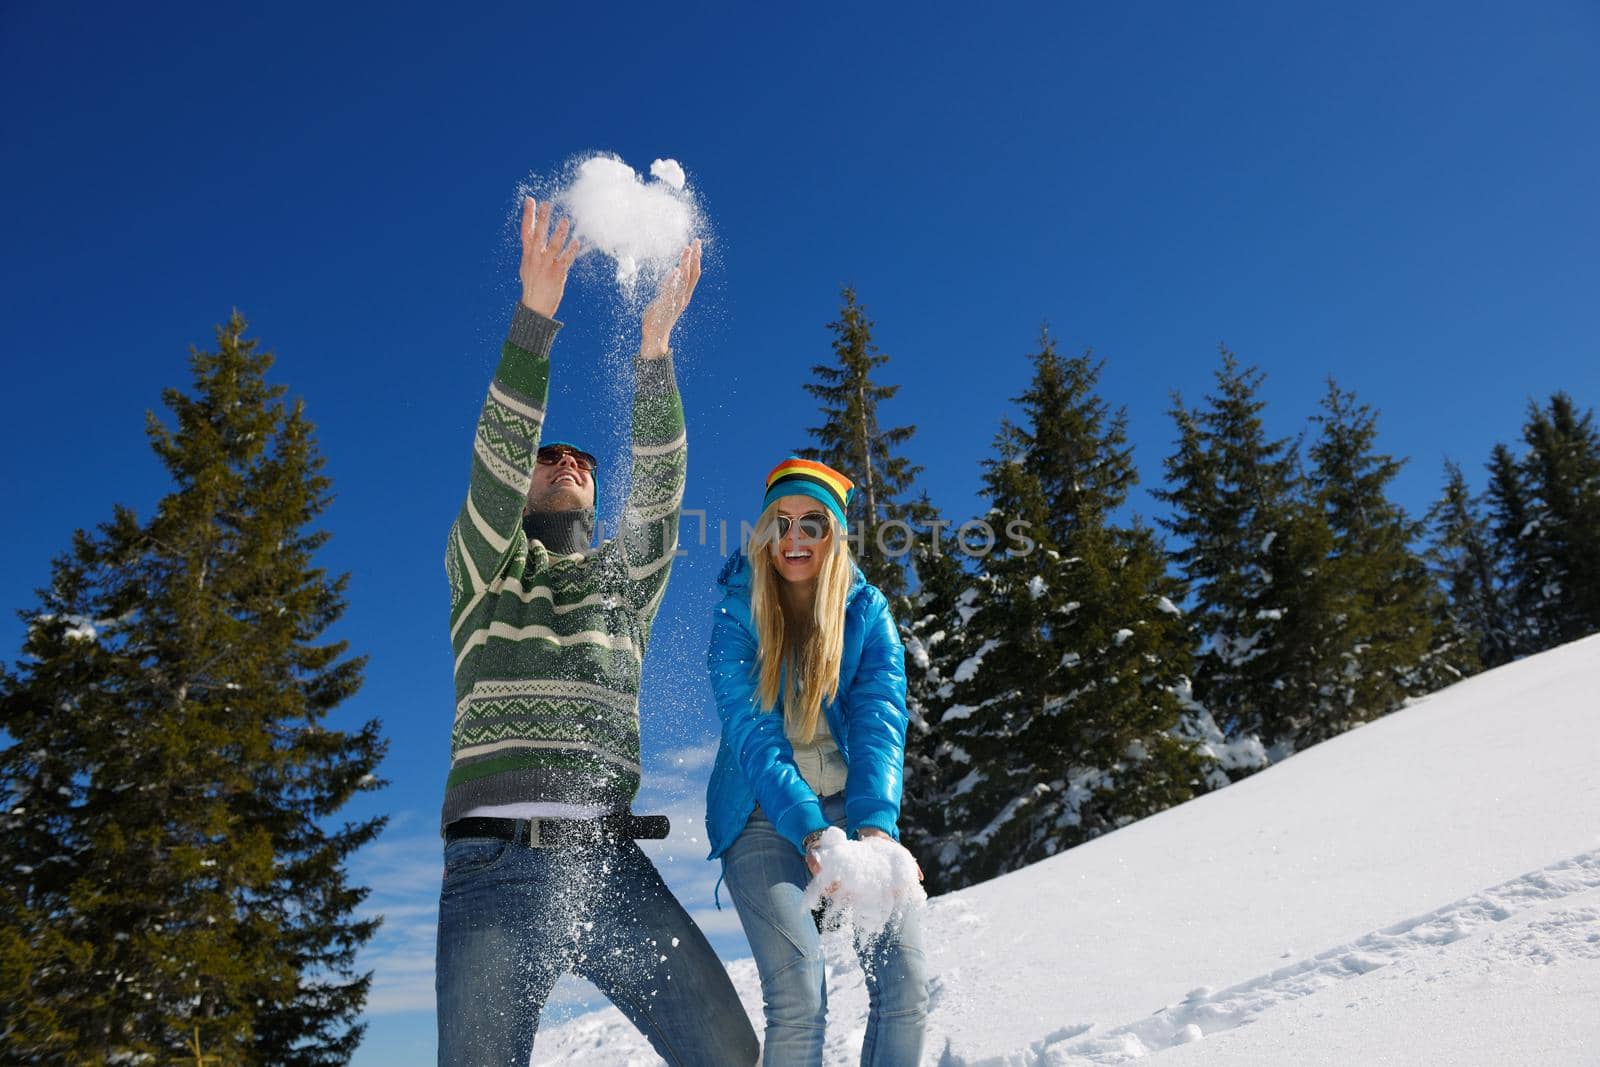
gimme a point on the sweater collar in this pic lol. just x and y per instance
(561, 532)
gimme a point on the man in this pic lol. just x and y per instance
(541, 872)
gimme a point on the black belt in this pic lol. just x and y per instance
(557, 833)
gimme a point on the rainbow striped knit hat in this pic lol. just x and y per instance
(804, 477)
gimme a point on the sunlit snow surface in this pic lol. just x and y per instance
(1425, 889)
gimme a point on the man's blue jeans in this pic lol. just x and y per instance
(767, 876)
(513, 919)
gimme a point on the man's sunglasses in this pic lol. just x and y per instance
(814, 526)
(549, 457)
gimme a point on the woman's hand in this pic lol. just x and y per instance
(673, 296)
(872, 831)
(546, 258)
(813, 864)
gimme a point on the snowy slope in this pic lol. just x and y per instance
(1425, 889)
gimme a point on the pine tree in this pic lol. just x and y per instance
(1070, 705)
(1556, 555)
(1525, 571)
(170, 768)
(852, 441)
(1253, 552)
(1545, 511)
(1385, 628)
(935, 632)
(1462, 557)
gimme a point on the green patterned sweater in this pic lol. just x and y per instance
(549, 648)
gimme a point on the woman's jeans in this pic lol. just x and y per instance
(767, 877)
(512, 919)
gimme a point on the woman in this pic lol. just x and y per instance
(809, 676)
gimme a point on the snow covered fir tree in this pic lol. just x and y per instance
(1462, 561)
(1546, 520)
(176, 887)
(1065, 718)
(1516, 565)
(937, 641)
(1384, 599)
(1254, 553)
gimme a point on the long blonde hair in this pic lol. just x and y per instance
(813, 660)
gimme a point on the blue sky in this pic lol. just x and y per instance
(1401, 196)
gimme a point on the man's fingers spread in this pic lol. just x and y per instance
(541, 225)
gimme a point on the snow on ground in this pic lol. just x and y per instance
(1425, 889)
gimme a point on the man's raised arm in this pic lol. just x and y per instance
(505, 448)
(660, 448)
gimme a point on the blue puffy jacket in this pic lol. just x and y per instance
(755, 762)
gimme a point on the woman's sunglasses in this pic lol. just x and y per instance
(814, 526)
(549, 457)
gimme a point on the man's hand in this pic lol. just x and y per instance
(673, 296)
(546, 258)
